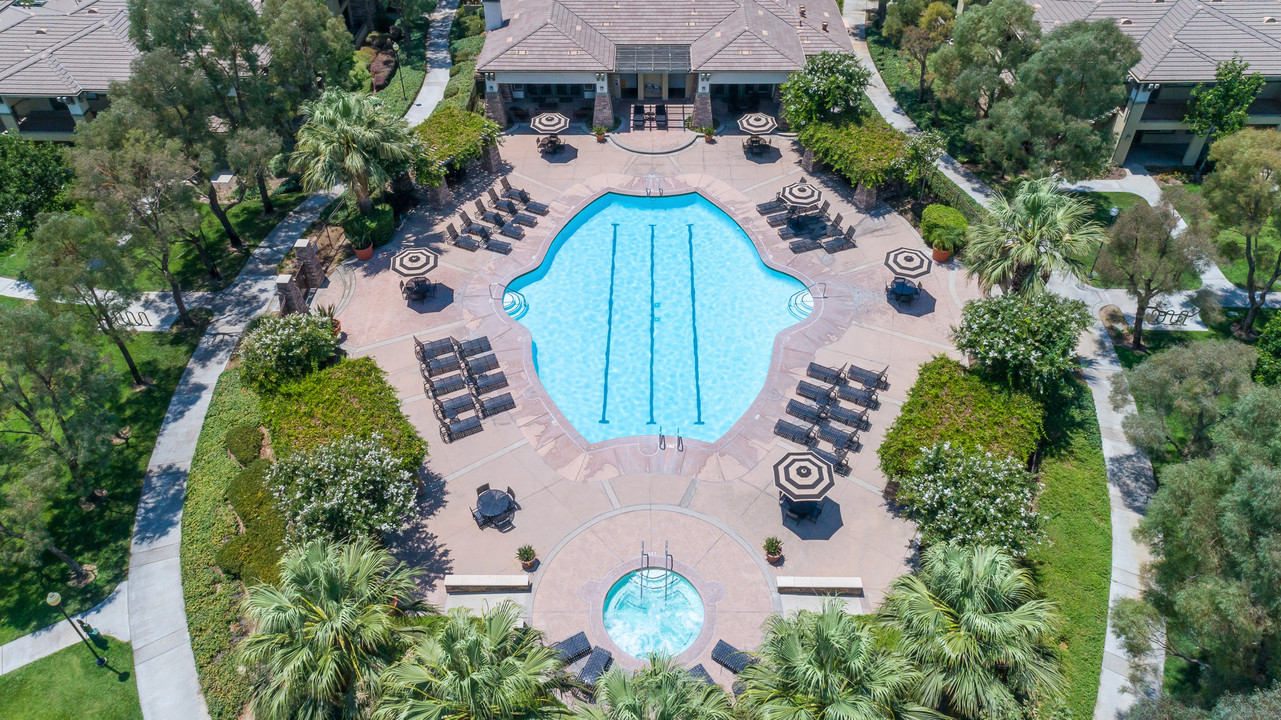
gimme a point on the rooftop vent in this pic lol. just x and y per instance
(802, 11)
(1127, 21)
(92, 11)
(824, 26)
(42, 31)
(1269, 20)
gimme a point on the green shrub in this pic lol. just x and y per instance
(349, 399)
(466, 48)
(940, 221)
(286, 347)
(949, 403)
(452, 138)
(244, 442)
(870, 153)
(467, 23)
(252, 555)
(1029, 343)
(371, 230)
(458, 90)
(1268, 369)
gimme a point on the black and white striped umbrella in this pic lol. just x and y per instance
(907, 262)
(550, 123)
(801, 195)
(757, 123)
(803, 477)
(412, 262)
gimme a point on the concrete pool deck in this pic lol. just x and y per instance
(586, 507)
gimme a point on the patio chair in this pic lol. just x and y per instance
(491, 406)
(699, 673)
(414, 289)
(433, 348)
(840, 439)
(789, 509)
(508, 190)
(481, 520)
(825, 208)
(793, 432)
(512, 494)
(834, 227)
(805, 245)
(490, 382)
(638, 117)
(808, 413)
(818, 394)
(439, 366)
(482, 489)
(597, 664)
(498, 246)
(462, 241)
(731, 658)
(451, 408)
(459, 429)
(866, 397)
(489, 216)
(472, 227)
(512, 230)
(773, 206)
(823, 373)
(848, 416)
(475, 346)
(509, 207)
(660, 117)
(535, 207)
(481, 364)
(442, 386)
(572, 648)
(869, 378)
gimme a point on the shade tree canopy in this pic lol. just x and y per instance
(829, 87)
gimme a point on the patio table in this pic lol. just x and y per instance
(903, 289)
(493, 503)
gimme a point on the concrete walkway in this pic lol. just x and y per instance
(111, 617)
(438, 63)
(154, 311)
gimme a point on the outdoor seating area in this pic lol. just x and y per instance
(494, 508)
(804, 218)
(657, 116)
(551, 145)
(458, 377)
(852, 384)
(417, 288)
(757, 145)
(902, 290)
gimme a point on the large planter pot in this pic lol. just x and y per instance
(528, 564)
(365, 254)
(773, 559)
(600, 138)
(942, 256)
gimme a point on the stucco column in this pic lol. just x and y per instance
(291, 297)
(702, 116)
(495, 108)
(305, 252)
(1194, 150)
(1137, 103)
(603, 109)
(490, 160)
(7, 120)
(440, 196)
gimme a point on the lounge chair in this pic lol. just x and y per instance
(840, 439)
(433, 348)
(869, 378)
(787, 233)
(509, 207)
(462, 241)
(508, 190)
(865, 397)
(481, 364)
(814, 392)
(660, 117)
(848, 416)
(491, 406)
(489, 216)
(777, 219)
(845, 242)
(638, 117)
(476, 346)
(439, 366)
(793, 432)
(834, 227)
(823, 373)
(597, 663)
(572, 648)
(825, 208)
(451, 408)
(489, 382)
(498, 246)
(459, 429)
(535, 207)
(805, 245)
(731, 658)
(771, 207)
(699, 673)
(442, 386)
(512, 230)
(808, 413)
(472, 227)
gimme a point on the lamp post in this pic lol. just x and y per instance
(55, 600)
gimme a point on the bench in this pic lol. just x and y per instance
(819, 585)
(488, 583)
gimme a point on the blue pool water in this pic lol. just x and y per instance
(653, 611)
(654, 313)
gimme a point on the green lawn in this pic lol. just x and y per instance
(1074, 567)
(1229, 250)
(68, 684)
(101, 537)
(1158, 340)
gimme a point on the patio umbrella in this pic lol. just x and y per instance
(412, 262)
(757, 123)
(550, 123)
(803, 477)
(801, 195)
(907, 262)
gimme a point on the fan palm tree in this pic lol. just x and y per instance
(476, 668)
(971, 622)
(326, 629)
(1022, 241)
(828, 665)
(348, 138)
(662, 691)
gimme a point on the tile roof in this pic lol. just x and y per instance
(1183, 40)
(64, 47)
(578, 35)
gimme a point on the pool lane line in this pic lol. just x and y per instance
(609, 327)
(693, 310)
(652, 321)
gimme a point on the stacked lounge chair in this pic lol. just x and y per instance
(455, 397)
(731, 658)
(828, 419)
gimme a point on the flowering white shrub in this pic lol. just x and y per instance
(352, 487)
(286, 347)
(972, 498)
(1028, 342)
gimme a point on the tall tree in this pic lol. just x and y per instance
(25, 495)
(348, 138)
(989, 43)
(55, 388)
(32, 178)
(1023, 240)
(326, 629)
(1145, 255)
(1181, 393)
(1223, 108)
(971, 621)
(829, 87)
(921, 152)
(1243, 194)
(77, 267)
(932, 30)
(829, 665)
(310, 50)
(476, 668)
(250, 151)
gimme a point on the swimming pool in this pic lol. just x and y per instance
(654, 314)
(653, 611)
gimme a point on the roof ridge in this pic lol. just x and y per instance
(37, 54)
(56, 64)
(1218, 13)
(586, 28)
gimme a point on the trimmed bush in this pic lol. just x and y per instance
(458, 90)
(942, 221)
(972, 498)
(949, 403)
(1029, 343)
(286, 347)
(370, 230)
(466, 48)
(253, 554)
(244, 442)
(350, 487)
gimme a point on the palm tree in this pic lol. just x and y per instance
(828, 665)
(971, 622)
(348, 138)
(326, 629)
(476, 668)
(1022, 241)
(662, 691)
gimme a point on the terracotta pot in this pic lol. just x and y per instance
(709, 139)
(600, 138)
(942, 256)
(364, 254)
(528, 564)
(773, 559)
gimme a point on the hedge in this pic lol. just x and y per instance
(458, 90)
(870, 153)
(452, 137)
(253, 554)
(950, 403)
(467, 48)
(244, 442)
(950, 193)
(939, 220)
(351, 398)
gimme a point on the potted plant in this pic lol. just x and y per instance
(708, 131)
(364, 247)
(600, 131)
(329, 311)
(773, 550)
(527, 557)
(946, 242)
